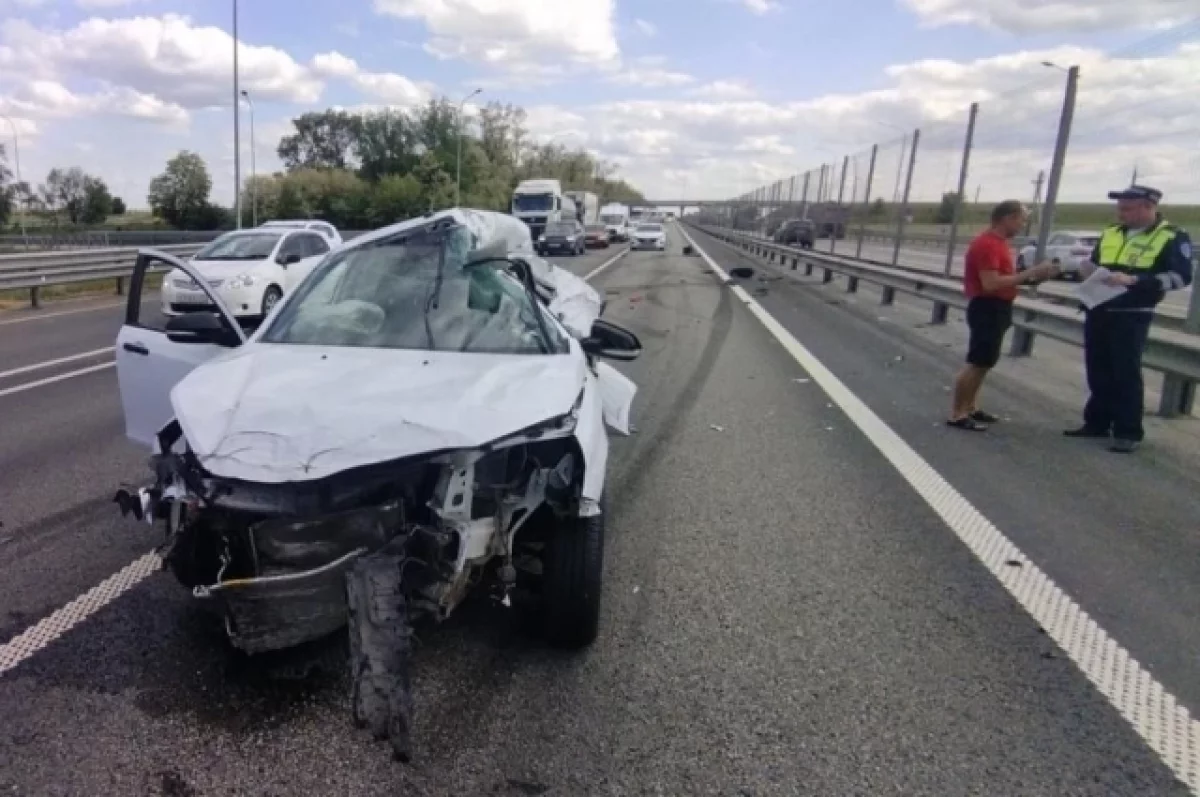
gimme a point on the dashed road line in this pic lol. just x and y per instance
(91, 369)
(24, 369)
(1153, 712)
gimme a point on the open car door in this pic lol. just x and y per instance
(154, 353)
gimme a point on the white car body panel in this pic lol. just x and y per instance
(273, 413)
(322, 227)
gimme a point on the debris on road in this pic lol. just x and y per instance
(716, 428)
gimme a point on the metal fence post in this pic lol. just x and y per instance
(1178, 394)
(1022, 342)
(862, 224)
(804, 196)
(889, 295)
(941, 310)
(841, 197)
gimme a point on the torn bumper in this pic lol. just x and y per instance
(299, 592)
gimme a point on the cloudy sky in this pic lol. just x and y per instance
(692, 98)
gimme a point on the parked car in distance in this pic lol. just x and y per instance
(650, 236)
(799, 232)
(597, 235)
(1070, 249)
(323, 227)
(562, 238)
(251, 270)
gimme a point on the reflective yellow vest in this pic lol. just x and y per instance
(1136, 252)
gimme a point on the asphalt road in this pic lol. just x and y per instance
(782, 615)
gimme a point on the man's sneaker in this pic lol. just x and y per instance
(1085, 431)
(1123, 446)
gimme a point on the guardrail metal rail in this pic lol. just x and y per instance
(39, 270)
(1175, 354)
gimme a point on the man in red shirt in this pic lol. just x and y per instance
(990, 281)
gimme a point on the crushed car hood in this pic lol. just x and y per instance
(270, 413)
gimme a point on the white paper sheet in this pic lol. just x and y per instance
(1093, 291)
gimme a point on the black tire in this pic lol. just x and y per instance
(271, 297)
(380, 652)
(573, 568)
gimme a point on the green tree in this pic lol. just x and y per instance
(179, 196)
(65, 193)
(323, 140)
(118, 206)
(386, 143)
(8, 189)
(878, 208)
(97, 201)
(946, 208)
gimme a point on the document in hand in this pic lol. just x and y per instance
(1093, 292)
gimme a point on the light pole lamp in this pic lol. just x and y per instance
(253, 171)
(237, 132)
(458, 159)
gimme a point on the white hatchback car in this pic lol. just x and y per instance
(650, 236)
(323, 227)
(1069, 249)
(251, 270)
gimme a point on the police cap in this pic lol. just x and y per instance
(1152, 195)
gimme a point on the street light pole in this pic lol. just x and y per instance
(458, 160)
(237, 131)
(17, 166)
(253, 171)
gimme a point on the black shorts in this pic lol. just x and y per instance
(988, 319)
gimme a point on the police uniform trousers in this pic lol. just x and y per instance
(1113, 343)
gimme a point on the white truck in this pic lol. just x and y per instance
(615, 217)
(587, 206)
(540, 202)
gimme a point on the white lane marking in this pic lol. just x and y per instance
(91, 369)
(30, 641)
(50, 628)
(1164, 724)
(44, 316)
(600, 268)
(24, 369)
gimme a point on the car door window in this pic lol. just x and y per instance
(316, 244)
(149, 363)
(292, 245)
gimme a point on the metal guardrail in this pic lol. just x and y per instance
(1165, 315)
(39, 270)
(33, 271)
(1174, 354)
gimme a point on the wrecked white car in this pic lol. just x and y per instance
(423, 415)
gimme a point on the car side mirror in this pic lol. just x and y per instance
(201, 327)
(288, 259)
(611, 342)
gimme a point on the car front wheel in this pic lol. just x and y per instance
(271, 298)
(573, 568)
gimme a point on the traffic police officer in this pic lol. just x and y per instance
(1148, 256)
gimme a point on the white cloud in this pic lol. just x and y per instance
(515, 35)
(646, 28)
(1036, 16)
(1129, 111)
(389, 87)
(167, 57)
(724, 90)
(90, 5)
(48, 99)
(760, 6)
(650, 72)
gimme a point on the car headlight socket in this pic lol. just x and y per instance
(241, 281)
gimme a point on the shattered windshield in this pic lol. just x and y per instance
(532, 203)
(243, 246)
(415, 293)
